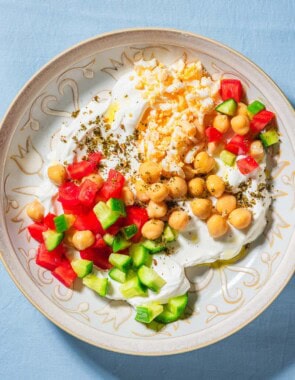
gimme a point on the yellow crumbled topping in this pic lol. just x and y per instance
(180, 96)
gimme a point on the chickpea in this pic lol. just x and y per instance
(217, 226)
(127, 196)
(156, 210)
(215, 148)
(150, 172)
(57, 174)
(96, 178)
(177, 187)
(240, 218)
(202, 208)
(256, 150)
(178, 220)
(141, 191)
(83, 239)
(35, 211)
(196, 187)
(242, 109)
(188, 172)
(158, 192)
(204, 163)
(215, 185)
(152, 229)
(226, 204)
(240, 124)
(221, 123)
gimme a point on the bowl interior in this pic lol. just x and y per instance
(223, 297)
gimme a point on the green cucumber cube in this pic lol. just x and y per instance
(169, 234)
(130, 231)
(118, 275)
(133, 288)
(153, 246)
(82, 267)
(228, 158)
(147, 313)
(98, 284)
(117, 205)
(228, 107)
(108, 239)
(255, 107)
(63, 222)
(173, 310)
(177, 305)
(150, 278)
(105, 215)
(52, 239)
(120, 261)
(269, 138)
(140, 255)
(120, 243)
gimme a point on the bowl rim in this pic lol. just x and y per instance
(42, 72)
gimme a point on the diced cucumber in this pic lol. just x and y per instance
(63, 222)
(130, 274)
(269, 138)
(108, 239)
(52, 239)
(173, 309)
(229, 107)
(177, 305)
(120, 243)
(82, 267)
(105, 215)
(147, 313)
(169, 234)
(117, 205)
(153, 246)
(140, 255)
(98, 284)
(120, 261)
(255, 107)
(130, 231)
(133, 288)
(228, 158)
(118, 275)
(150, 278)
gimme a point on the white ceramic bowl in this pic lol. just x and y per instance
(223, 298)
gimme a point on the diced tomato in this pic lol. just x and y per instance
(260, 120)
(112, 188)
(247, 165)
(87, 193)
(231, 88)
(238, 145)
(68, 195)
(49, 260)
(99, 242)
(99, 256)
(136, 215)
(48, 221)
(213, 134)
(65, 274)
(89, 222)
(95, 157)
(36, 230)
(81, 169)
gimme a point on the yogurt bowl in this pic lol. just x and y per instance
(223, 295)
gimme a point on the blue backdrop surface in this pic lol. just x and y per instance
(31, 33)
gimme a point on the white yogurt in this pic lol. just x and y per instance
(195, 245)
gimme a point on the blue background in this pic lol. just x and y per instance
(31, 33)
